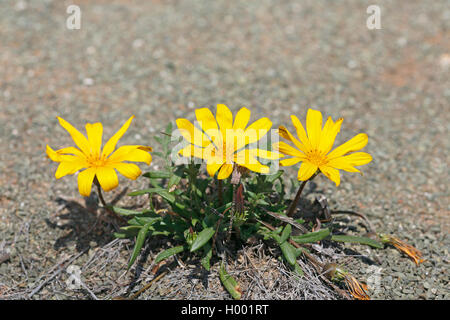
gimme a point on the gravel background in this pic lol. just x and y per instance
(161, 59)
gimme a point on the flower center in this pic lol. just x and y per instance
(316, 157)
(226, 152)
(96, 162)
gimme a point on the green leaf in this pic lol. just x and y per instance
(286, 233)
(132, 227)
(276, 237)
(289, 253)
(157, 174)
(147, 220)
(274, 176)
(312, 236)
(298, 269)
(202, 238)
(229, 283)
(168, 253)
(127, 212)
(174, 180)
(162, 192)
(206, 259)
(139, 242)
(354, 239)
(120, 235)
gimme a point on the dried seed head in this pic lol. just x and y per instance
(329, 270)
(402, 246)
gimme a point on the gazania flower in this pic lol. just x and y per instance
(335, 273)
(356, 288)
(99, 164)
(221, 142)
(313, 147)
(409, 250)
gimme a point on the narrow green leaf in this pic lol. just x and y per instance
(174, 180)
(132, 227)
(162, 192)
(229, 283)
(274, 176)
(168, 253)
(147, 220)
(120, 235)
(127, 212)
(157, 174)
(298, 269)
(206, 259)
(166, 195)
(202, 238)
(354, 239)
(139, 242)
(312, 236)
(289, 253)
(286, 233)
(276, 237)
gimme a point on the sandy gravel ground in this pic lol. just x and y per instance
(159, 60)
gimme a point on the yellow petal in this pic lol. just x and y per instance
(354, 144)
(94, 134)
(85, 179)
(79, 139)
(307, 169)
(314, 127)
(213, 167)
(206, 120)
(70, 151)
(265, 154)
(283, 147)
(192, 133)
(107, 177)
(225, 171)
(134, 153)
(348, 163)
(290, 161)
(192, 151)
(112, 142)
(242, 118)
(283, 132)
(332, 174)
(329, 133)
(128, 170)
(235, 139)
(246, 158)
(257, 130)
(301, 133)
(70, 167)
(257, 167)
(52, 154)
(224, 118)
(65, 154)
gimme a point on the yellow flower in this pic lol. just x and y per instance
(314, 145)
(99, 164)
(222, 143)
(409, 250)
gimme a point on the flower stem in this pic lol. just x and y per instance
(99, 191)
(105, 205)
(294, 203)
(220, 192)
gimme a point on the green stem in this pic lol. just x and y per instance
(294, 203)
(192, 174)
(105, 205)
(100, 194)
(220, 192)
